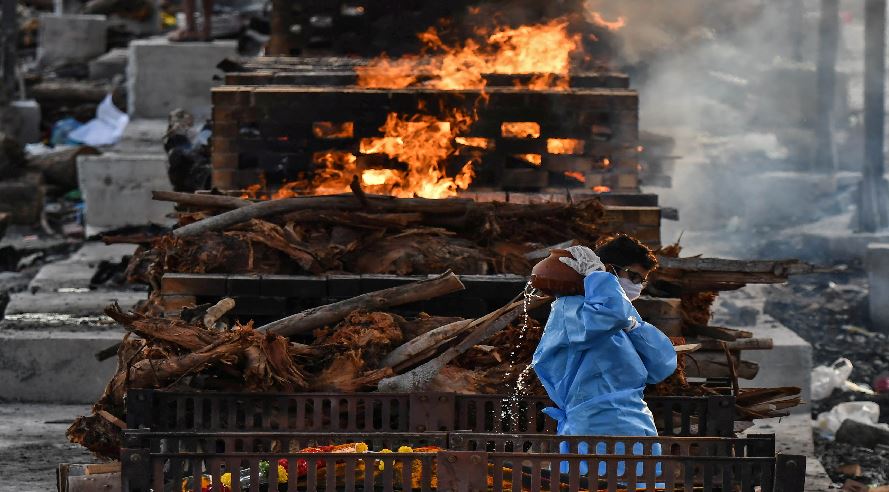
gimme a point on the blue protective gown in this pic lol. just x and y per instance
(593, 370)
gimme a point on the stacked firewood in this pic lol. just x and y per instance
(349, 346)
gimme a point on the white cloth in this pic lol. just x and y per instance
(105, 129)
(584, 260)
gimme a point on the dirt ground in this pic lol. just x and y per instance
(32, 444)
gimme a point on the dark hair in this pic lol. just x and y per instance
(623, 250)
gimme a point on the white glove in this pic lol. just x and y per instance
(585, 261)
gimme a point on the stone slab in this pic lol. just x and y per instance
(29, 112)
(71, 38)
(55, 366)
(89, 303)
(13, 281)
(143, 137)
(110, 64)
(163, 76)
(117, 190)
(877, 265)
(62, 275)
(76, 271)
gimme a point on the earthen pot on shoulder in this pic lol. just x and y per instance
(556, 278)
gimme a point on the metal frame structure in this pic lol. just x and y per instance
(462, 461)
(395, 412)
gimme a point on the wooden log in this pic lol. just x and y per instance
(771, 408)
(714, 274)
(69, 91)
(60, 167)
(329, 314)
(704, 368)
(753, 396)
(257, 210)
(423, 343)
(718, 265)
(417, 378)
(354, 219)
(741, 344)
(200, 200)
(687, 348)
(217, 311)
(721, 333)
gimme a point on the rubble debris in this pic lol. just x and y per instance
(862, 434)
(834, 455)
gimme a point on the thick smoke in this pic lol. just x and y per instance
(722, 78)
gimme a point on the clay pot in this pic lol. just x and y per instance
(556, 278)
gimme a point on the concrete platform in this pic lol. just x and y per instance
(51, 333)
(789, 363)
(54, 365)
(163, 76)
(793, 435)
(71, 38)
(76, 271)
(143, 137)
(71, 304)
(117, 190)
(110, 64)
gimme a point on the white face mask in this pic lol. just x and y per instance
(632, 290)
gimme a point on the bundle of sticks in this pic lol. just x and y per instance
(357, 234)
(349, 346)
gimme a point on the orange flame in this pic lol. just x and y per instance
(543, 49)
(601, 189)
(330, 129)
(478, 142)
(520, 129)
(533, 159)
(252, 192)
(576, 175)
(564, 146)
(422, 142)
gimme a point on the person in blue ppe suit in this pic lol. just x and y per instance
(596, 353)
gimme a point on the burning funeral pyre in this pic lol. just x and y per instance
(412, 168)
(368, 342)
